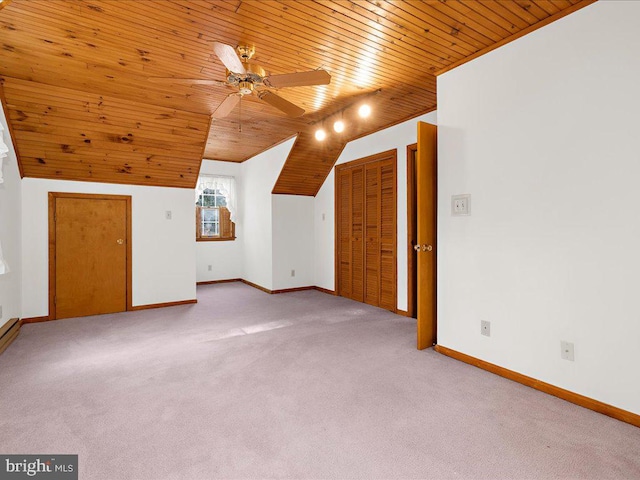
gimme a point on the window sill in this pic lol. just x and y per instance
(215, 239)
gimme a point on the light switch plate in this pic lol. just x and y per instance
(461, 205)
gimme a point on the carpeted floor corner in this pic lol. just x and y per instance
(299, 386)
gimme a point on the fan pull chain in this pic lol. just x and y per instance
(240, 116)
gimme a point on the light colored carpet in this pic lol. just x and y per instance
(300, 385)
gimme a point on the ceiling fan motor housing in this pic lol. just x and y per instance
(254, 75)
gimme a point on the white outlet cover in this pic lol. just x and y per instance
(461, 205)
(167, 214)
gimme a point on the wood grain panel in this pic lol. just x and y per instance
(66, 135)
(78, 67)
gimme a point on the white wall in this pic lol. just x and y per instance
(227, 257)
(259, 175)
(293, 241)
(543, 134)
(163, 250)
(10, 208)
(396, 137)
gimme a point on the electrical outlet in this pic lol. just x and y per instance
(461, 205)
(566, 351)
(209, 267)
(323, 217)
(293, 273)
(485, 328)
(167, 214)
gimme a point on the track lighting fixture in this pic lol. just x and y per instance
(364, 111)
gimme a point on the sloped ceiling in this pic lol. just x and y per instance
(81, 105)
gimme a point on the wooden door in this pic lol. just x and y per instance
(89, 271)
(366, 230)
(426, 185)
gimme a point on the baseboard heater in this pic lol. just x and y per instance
(8, 333)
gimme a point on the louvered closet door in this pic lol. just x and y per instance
(372, 245)
(366, 236)
(380, 246)
(350, 225)
(357, 234)
(343, 192)
(388, 235)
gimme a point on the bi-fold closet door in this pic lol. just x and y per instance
(366, 204)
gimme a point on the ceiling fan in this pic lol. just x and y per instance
(247, 76)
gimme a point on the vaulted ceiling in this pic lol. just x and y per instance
(83, 101)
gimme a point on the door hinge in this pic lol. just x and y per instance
(55, 300)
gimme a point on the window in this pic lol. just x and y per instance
(215, 202)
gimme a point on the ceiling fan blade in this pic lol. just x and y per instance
(281, 104)
(300, 79)
(227, 55)
(226, 106)
(186, 81)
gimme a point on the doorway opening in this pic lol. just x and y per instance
(412, 233)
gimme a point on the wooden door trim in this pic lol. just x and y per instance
(53, 196)
(411, 214)
(568, 395)
(387, 154)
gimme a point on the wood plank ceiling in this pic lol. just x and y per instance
(81, 105)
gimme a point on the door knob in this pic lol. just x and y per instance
(427, 248)
(119, 241)
(416, 248)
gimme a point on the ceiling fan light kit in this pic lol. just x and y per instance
(245, 88)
